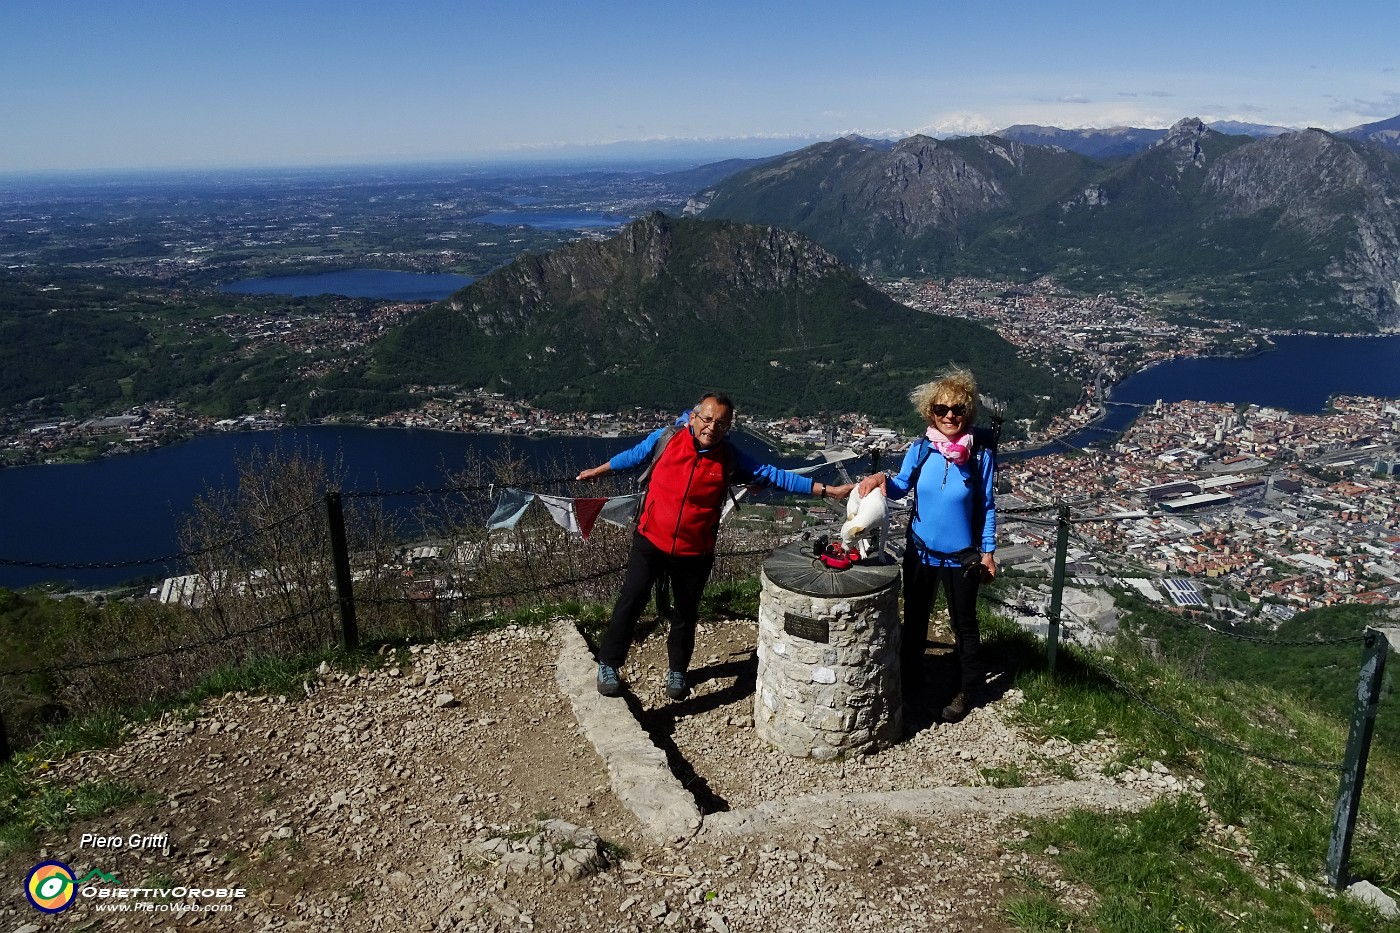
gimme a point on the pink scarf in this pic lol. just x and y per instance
(958, 450)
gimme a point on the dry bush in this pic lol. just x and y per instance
(262, 561)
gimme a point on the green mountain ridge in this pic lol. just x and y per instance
(671, 307)
(1294, 230)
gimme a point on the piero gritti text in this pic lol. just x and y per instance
(134, 841)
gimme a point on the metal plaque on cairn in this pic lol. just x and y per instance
(828, 655)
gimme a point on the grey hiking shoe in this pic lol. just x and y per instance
(675, 685)
(609, 684)
(957, 708)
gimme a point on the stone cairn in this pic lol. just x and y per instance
(828, 657)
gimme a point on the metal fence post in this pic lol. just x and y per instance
(344, 583)
(1057, 586)
(1363, 722)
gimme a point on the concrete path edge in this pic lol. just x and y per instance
(638, 771)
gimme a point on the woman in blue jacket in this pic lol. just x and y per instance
(952, 530)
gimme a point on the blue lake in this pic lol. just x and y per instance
(1299, 376)
(552, 220)
(357, 283)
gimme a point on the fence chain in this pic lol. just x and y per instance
(1173, 720)
(182, 556)
(168, 559)
(1279, 642)
(555, 584)
(1025, 609)
(171, 649)
(445, 490)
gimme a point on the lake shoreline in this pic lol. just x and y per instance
(1029, 448)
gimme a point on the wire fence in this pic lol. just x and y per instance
(276, 577)
(164, 651)
(263, 578)
(1100, 668)
(1175, 721)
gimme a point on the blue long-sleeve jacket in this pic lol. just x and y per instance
(948, 516)
(746, 468)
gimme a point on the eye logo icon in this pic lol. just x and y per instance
(50, 887)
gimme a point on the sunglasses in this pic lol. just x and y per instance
(724, 424)
(956, 410)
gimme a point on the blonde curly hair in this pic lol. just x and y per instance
(954, 386)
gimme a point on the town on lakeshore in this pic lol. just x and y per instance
(1223, 510)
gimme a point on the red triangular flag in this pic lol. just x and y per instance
(586, 511)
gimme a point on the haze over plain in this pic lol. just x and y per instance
(167, 84)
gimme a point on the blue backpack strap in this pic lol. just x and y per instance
(983, 445)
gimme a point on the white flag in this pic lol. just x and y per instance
(561, 509)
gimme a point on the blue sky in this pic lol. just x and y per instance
(198, 83)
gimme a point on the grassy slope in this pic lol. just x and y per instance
(1250, 854)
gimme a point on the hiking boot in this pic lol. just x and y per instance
(957, 707)
(609, 684)
(675, 685)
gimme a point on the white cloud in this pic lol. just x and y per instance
(959, 123)
(1387, 105)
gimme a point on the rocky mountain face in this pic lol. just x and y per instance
(617, 274)
(1119, 142)
(1295, 229)
(1331, 192)
(671, 306)
(915, 204)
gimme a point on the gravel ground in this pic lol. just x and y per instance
(456, 791)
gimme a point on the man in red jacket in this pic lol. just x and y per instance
(677, 526)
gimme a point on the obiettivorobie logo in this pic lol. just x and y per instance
(51, 887)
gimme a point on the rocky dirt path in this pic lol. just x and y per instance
(458, 791)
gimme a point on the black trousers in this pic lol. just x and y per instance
(645, 564)
(921, 586)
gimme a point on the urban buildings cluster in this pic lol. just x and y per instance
(1098, 339)
(145, 427)
(332, 336)
(1238, 511)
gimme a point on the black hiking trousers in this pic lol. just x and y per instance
(921, 585)
(646, 563)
